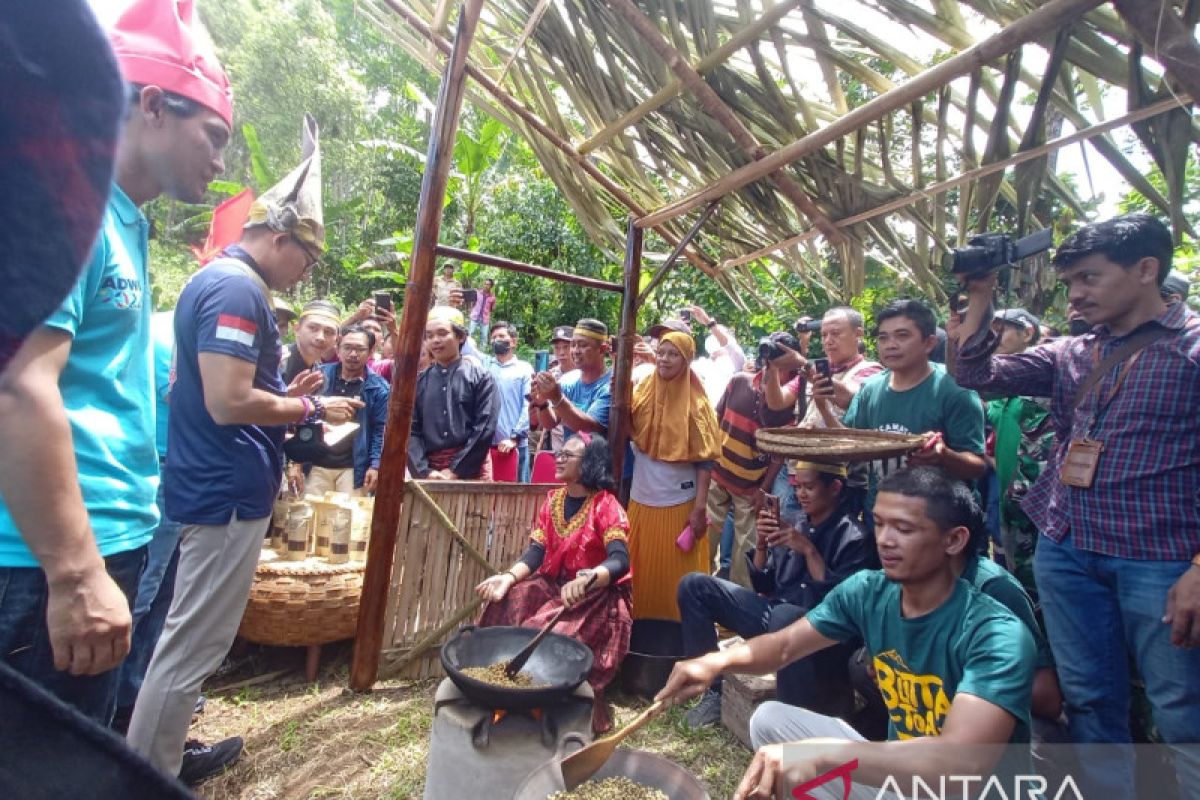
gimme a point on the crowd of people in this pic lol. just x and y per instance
(1009, 582)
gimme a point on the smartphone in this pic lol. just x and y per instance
(771, 503)
(382, 300)
(821, 365)
(685, 314)
(470, 296)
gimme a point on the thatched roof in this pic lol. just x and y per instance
(598, 75)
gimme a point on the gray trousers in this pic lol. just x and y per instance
(779, 723)
(216, 570)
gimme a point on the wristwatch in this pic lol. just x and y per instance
(710, 324)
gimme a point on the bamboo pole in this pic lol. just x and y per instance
(674, 87)
(532, 23)
(711, 102)
(390, 493)
(671, 259)
(449, 525)
(1041, 22)
(408, 655)
(445, 251)
(979, 172)
(536, 124)
(622, 393)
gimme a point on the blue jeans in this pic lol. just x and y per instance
(154, 593)
(25, 640)
(525, 465)
(818, 681)
(1099, 611)
(727, 541)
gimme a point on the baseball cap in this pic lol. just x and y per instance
(1175, 283)
(563, 333)
(672, 324)
(1019, 317)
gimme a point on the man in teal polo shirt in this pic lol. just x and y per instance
(80, 508)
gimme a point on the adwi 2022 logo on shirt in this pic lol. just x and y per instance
(121, 293)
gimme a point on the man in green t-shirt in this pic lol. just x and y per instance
(953, 664)
(913, 395)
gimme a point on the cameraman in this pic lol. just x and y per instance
(1118, 567)
(765, 399)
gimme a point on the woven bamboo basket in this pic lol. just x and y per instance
(837, 445)
(300, 603)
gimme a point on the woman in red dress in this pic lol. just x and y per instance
(580, 537)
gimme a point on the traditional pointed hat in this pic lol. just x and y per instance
(162, 43)
(294, 204)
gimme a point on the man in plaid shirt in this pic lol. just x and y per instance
(1119, 567)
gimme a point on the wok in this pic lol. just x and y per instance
(559, 662)
(644, 768)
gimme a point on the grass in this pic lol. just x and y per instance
(308, 741)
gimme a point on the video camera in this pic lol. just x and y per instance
(989, 252)
(805, 325)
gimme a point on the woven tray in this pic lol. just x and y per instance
(837, 445)
(300, 603)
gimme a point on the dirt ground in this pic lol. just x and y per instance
(321, 740)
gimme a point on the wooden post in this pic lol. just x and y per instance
(622, 392)
(445, 251)
(1041, 22)
(390, 493)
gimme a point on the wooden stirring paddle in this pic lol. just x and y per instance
(578, 767)
(518, 661)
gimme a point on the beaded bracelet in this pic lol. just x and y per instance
(318, 411)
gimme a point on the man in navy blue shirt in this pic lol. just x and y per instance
(229, 410)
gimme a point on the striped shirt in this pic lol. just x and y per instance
(742, 411)
(1145, 501)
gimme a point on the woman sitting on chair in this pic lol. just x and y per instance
(580, 538)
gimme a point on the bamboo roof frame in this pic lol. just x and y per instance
(669, 105)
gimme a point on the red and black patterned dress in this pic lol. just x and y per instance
(603, 620)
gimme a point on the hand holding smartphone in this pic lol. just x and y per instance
(382, 300)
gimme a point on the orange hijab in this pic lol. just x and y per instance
(673, 420)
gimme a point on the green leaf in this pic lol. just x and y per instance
(258, 158)
(225, 187)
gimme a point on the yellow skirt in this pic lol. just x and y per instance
(658, 565)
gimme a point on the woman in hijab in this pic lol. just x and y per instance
(675, 440)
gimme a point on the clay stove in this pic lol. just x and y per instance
(479, 752)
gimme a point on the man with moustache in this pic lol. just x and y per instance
(1118, 563)
(350, 466)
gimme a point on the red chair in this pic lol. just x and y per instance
(504, 465)
(543, 468)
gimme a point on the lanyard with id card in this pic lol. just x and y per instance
(1082, 459)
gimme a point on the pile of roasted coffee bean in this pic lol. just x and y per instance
(619, 788)
(494, 675)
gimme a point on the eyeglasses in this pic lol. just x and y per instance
(562, 455)
(313, 258)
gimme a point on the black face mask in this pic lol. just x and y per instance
(501, 348)
(1078, 327)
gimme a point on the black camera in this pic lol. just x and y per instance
(989, 252)
(808, 326)
(769, 346)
